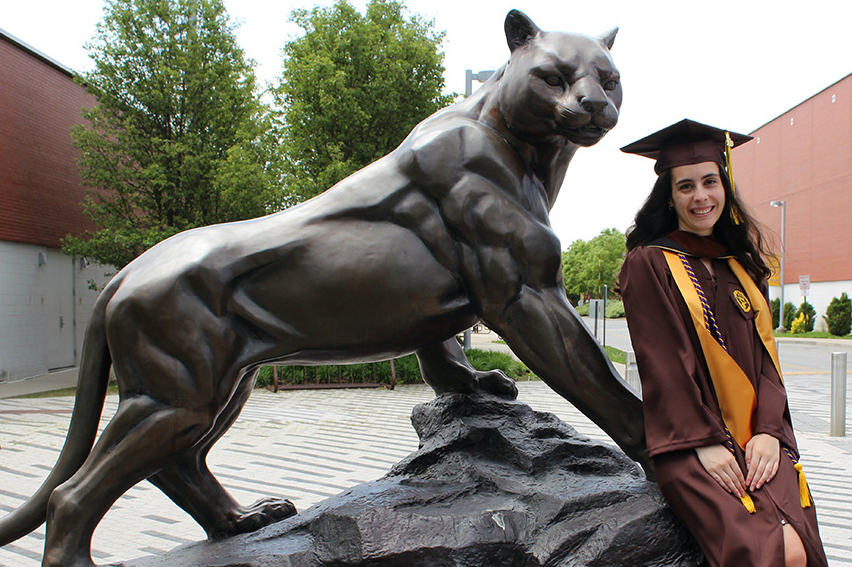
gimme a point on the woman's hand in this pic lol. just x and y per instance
(723, 467)
(762, 454)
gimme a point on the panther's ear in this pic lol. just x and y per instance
(608, 38)
(519, 29)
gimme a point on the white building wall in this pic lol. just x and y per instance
(819, 295)
(23, 325)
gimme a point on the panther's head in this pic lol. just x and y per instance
(558, 84)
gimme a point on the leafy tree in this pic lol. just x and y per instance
(838, 315)
(353, 87)
(585, 264)
(178, 138)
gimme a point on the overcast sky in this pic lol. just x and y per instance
(732, 64)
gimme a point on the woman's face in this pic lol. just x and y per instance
(698, 197)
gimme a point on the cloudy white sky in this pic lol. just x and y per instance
(736, 65)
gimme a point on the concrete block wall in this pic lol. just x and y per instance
(84, 298)
(23, 324)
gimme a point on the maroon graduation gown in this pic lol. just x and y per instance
(682, 413)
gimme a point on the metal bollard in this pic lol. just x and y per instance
(632, 372)
(838, 394)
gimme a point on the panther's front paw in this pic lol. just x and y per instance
(497, 383)
(262, 513)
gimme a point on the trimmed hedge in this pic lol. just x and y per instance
(407, 371)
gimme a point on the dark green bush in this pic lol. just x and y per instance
(809, 312)
(838, 315)
(775, 307)
(790, 313)
(407, 370)
(494, 360)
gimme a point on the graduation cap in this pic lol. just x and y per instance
(685, 143)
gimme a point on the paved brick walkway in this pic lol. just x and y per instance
(309, 445)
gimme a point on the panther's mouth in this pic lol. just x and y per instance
(592, 130)
(586, 135)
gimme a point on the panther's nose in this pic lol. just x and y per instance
(592, 105)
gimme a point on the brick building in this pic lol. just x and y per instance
(804, 158)
(45, 302)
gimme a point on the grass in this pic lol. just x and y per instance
(615, 354)
(812, 335)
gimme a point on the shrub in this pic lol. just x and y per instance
(775, 307)
(838, 315)
(789, 315)
(799, 324)
(407, 370)
(494, 360)
(809, 312)
(614, 309)
(583, 310)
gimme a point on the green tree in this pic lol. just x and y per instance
(838, 315)
(588, 266)
(178, 138)
(353, 86)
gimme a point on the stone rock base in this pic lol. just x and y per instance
(494, 483)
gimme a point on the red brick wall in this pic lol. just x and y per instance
(804, 157)
(40, 189)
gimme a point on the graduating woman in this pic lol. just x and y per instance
(694, 284)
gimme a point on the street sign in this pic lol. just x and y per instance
(804, 285)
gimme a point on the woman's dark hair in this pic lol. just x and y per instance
(744, 239)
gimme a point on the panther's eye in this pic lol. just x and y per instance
(553, 80)
(610, 85)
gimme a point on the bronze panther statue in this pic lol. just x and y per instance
(449, 229)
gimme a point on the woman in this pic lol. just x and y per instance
(716, 416)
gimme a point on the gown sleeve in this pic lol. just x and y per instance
(680, 408)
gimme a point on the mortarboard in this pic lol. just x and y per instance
(687, 142)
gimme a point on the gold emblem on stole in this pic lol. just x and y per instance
(742, 300)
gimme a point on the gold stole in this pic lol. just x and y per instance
(735, 392)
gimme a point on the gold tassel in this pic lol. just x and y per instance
(729, 143)
(804, 491)
(748, 503)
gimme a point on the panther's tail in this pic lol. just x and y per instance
(91, 391)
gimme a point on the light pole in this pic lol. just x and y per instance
(470, 76)
(783, 205)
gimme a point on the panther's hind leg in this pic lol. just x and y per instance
(447, 370)
(144, 436)
(192, 486)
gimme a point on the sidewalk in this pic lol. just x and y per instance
(309, 445)
(49, 382)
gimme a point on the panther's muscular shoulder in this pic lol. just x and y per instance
(454, 144)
